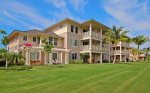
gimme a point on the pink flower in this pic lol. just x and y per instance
(28, 45)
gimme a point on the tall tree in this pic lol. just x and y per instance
(47, 48)
(140, 40)
(3, 36)
(5, 41)
(147, 50)
(116, 35)
(17, 59)
(3, 32)
(6, 56)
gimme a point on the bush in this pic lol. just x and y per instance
(76, 62)
(19, 68)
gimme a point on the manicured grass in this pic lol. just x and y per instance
(81, 78)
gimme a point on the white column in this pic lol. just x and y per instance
(125, 53)
(90, 57)
(101, 61)
(61, 57)
(90, 40)
(101, 33)
(39, 53)
(66, 57)
(50, 58)
(45, 58)
(29, 57)
(120, 52)
(90, 29)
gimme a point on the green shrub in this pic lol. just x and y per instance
(76, 62)
(19, 68)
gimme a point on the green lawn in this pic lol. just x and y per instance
(78, 78)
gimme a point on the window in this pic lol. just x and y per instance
(55, 41)
(34, 56)
(25, 38)
(72, 28)
(50, 40)
(76, 30)
(61, 26)
(74, 43)
(74, 56)
(38, 40)
(34, 39)
(54, 56)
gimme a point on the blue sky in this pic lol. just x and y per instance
(134, 15)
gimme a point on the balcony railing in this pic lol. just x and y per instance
(94, 34)
(93, 47)
(120, 52)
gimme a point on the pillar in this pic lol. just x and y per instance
(61, 54)
(45, 58)
(101, 61)
(50, 59)
(90, 57)
(66, 57)
(90, 29)
(120, 52)
(27, 56)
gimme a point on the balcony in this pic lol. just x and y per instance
(121, 44)
(94, 34)
(93, 47)
(118, 52)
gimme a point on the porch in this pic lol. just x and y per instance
(37, 56)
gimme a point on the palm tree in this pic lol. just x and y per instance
(47, 47)
(17, 58)
(5, 41)
(140, 40)
(7, 57)
(147, 50)
(3, 32)
(116, 35)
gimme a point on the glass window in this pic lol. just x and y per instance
(25, 38)
(54, 56)
(50, 40)
(74, 43)
(74, 56)
(55, 41)
(34, 39)
(76, 30)
(72, 28)
(34, 56)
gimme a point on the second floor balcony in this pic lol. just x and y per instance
(118, 52)
(90, 48)
(93, 34)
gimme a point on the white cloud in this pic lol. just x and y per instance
(78, 5)
(134, 15)
(18, 12)
(129, 12)
(63, 11)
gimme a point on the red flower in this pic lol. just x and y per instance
(28, 45)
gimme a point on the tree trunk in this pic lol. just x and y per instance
(6, 65)
(138, 52)
(114, 56)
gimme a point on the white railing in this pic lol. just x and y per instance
(86, 34)
(85, 47)
(93, 47)
(94, 34)
(120, 52)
